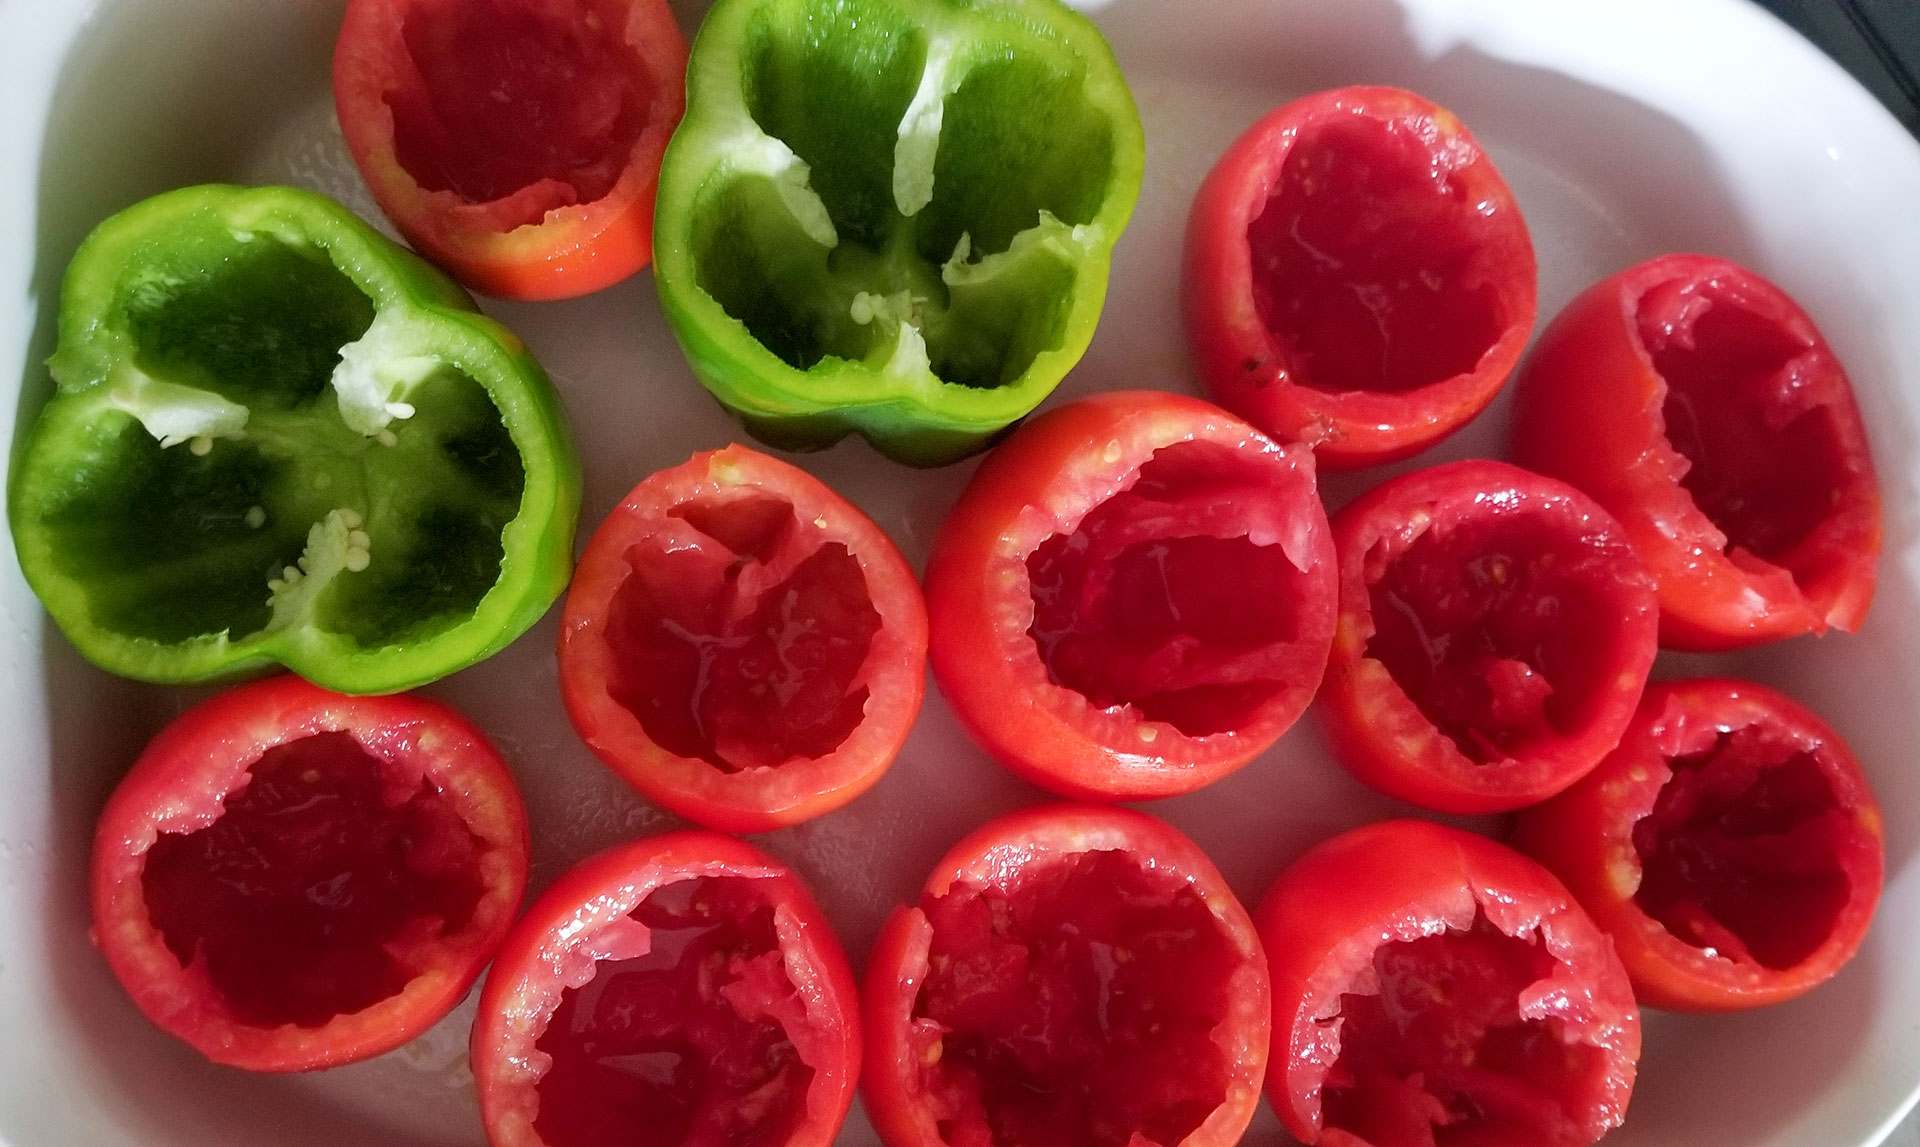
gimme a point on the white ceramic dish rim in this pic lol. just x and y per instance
(1692, 60)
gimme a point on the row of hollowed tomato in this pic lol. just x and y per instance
(1071, 974)
(332, 873)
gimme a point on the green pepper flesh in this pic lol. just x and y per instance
(279, 438)
(893, 217)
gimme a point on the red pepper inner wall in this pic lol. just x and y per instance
(1078, 1006)
(1739, 854)
(1365, 262)
(745, 650)
(497, 96)
(686, 1044)
(1162, 598)
(292, 897)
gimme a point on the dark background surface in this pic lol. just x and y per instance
(1877, 40)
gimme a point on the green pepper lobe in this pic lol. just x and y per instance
(278, 437)
(893, 216)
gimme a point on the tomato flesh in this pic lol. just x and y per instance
(1433, 1049)
(1179, 596)
(1057, 1005)
(1700, 405)
(1366, 262)
(746, 650)
(534, 107)
(1740, 855)
(1730, 846)
(1491, 627)
(1735, 406)
(685, 1044)
(297, 898)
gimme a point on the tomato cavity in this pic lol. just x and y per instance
(1743, 394)
(1367, 272)
(1074, 1006)
(1741, 855)
(1493, 627)
(1179, 596)
(534, 105)
(300, 899)
(744, 648)
(688, 1043)
(1434, 1050)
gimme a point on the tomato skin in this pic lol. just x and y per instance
(751, 800)
(574, 249)
(1394, 881)
(1374, 725)
(1590, 408)
(1046, 479)
(1586, 836)
(1246, 368)
(178, 785)
(553, 946)
(894, 1086)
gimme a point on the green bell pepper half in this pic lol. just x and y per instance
(277, 437)
(893, 217)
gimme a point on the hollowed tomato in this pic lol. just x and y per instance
(1433, 986)
(1700, 405)
(1357, 276)
(290, 879)
(1133, 596)
(1730, 846)
(683, 989)
(741, 644)
(516, 143)
(1495, 633)
(1071, 977)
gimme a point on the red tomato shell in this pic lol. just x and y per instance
(1357, 276)
(211, 856)
(1424, 977)
(516, 143)
(1730, 846)
(1133, 596)
(1495, 633)
(1671, 392)
(1072, 976)
(741, 644)
(685, 988)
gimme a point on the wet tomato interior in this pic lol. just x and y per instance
(1180, 595)
(688, 1043)
(300, 898)
(1434, 1050)
(1742, 394)
(1493, 628)
(1366, 261)
(1075, 1008)
(518, 101)
(1741, 854)
(746, 649)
